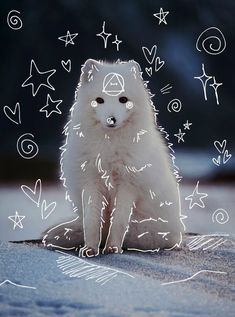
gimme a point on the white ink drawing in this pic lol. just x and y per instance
(207, 241)
(66, 65)
(17, 219)
(104, 35)
(44, 76)
(174, 105)
(6, 282)
(113, 84)
(220, 216)
(149, 71)
(26, 147)
(196, 198)
(180, 136)
(187, 125)
(117, 42)
(13, 20)
(68, 38)
(158, 64)
(51, 106)
(212, 41)
(13, 115)
(161, 16)
(166, 89)
(150, 54)
(46, 210)
(221, 148)
(33, 194)
(215, 86)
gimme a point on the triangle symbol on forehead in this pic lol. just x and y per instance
(113, 84)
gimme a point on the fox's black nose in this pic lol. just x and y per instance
(111, 122)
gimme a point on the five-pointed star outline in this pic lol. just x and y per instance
(187, 125)
(196, 198)
(44, 76)
(117, 42)
(104, 35)
(180, 136)
(161, 16)
(17, 223)
(68, 38)
(53, 104)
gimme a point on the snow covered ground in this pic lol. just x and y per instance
(131, 284)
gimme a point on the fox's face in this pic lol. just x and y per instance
(110, 90)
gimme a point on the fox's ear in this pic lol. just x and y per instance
(89, 69)
(135, 69)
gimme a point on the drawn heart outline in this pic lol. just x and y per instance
(16, 112)
(220, 146)
(216, 161)
(226, 157)
(149, 71)
(150, 54)
(66, 65)
(33, 194)
(158, 64)
(49, 208)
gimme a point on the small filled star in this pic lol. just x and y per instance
(104, 35)
(187, 125)
(161, 16)
(117, 42)
(17, 219)
(41, 78)
(196, 198)
(51, 106)
(180, 136)
(68, 38)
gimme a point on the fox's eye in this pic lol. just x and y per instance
(123, 99)
(99, 100)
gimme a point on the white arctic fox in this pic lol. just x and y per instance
(116, 167)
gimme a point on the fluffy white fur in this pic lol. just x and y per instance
(119, 178)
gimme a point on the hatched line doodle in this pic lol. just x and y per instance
(113, 84)
(220, 216)
(26, 147)
(79, 268)
(17, 219)
(166, 89)
(196, 198)
(205, 242)
(117, 42)
(68, 38)
(13, 115)
(206, 41)
(51, 106)
(35, 194)
(174, 105)
(66, 65)
(6, 282)
(43, 75)
(161, 16)
(104, 35)
(13, 20)
(194, 275)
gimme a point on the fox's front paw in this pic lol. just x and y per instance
(112, 249)
(87, 251)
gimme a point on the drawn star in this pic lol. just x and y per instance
(36, 75)
(68, 38)
(51, 106)
(161, 16)
(180, 136)
(187, 125)
(196, 198)
(104, 35)
(17, 223)
(215, 86)
(117, 42)
(204, 79)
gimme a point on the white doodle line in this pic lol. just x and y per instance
(30, 150)
(98, 164)
(17, 223)
(76, 267)
(45, 207)
(152, 194)
(138, 134)
(137, 170)
(15, 112)
(215, 86)
(180, 136)
(142, 234)
(13, 21)
(221, 148)
(117, 42)
(149, 71)
(221, 42)
(161, 16)
(199, 196)
(187, 125)
(198, 242)
(51, 103)
(66, 65)
(36, 192)
(158, 64)
(191, 277)
(149, 54)
(175, 105)
(27, 82)
(104, 35)
(166, 89)
(15, 284)
(68, 38)
(204, 81)
(149, 219)
(221, 216)
(113, 84)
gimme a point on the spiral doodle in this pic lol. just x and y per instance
(221, 216)
(13, 21)
(208, 44)
(175, 105)
(26, 147)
